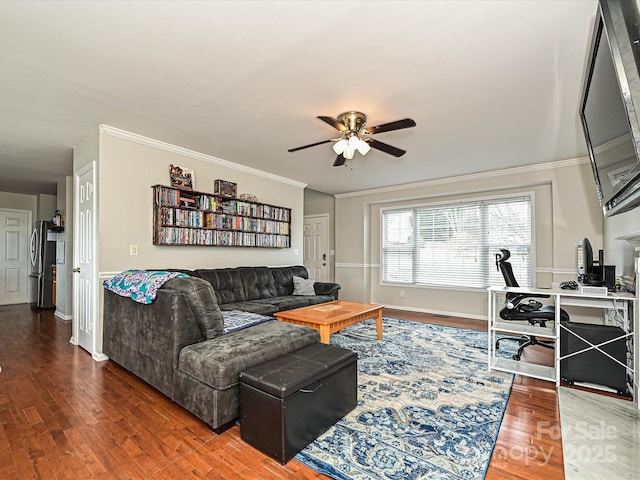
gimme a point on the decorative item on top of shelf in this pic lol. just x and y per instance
(248, 197)
(224, 188)
(181, 177)
(58, 222)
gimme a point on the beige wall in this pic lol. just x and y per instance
(42, 206)
(64, 268)
(319, 203)
(566, 210)
(46, 206)
(621, 252)
(19, 201)
(129, 165)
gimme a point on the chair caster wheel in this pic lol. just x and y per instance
(516, 357)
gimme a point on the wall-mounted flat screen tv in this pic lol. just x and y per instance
(610, 109)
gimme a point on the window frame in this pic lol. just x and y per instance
(449, 203)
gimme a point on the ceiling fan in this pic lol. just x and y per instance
(356, 135)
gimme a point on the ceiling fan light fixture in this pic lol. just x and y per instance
(356, 135)
(348, 154)
(340, 146)
(363, 147)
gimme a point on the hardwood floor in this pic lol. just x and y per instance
(62, 415)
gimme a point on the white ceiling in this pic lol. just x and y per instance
(491, 84)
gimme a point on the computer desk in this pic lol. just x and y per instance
(620, 309)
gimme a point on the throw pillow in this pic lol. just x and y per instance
(303, 286)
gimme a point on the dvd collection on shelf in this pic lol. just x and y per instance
(200, 219)
(198, 236)
(185, 217)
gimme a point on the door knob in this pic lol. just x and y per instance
(76, 270)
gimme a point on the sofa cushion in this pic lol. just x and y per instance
(283, 277)
(202, 301)
(218, 362)
(315, 299)
(286, 303)
(263, 308)
(258, 282)
(226, 282)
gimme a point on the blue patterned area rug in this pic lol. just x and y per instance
(427, 406)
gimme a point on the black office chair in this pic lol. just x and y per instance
(521, 306)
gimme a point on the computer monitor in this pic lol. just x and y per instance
(592, 274)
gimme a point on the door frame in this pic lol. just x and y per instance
(29, 290)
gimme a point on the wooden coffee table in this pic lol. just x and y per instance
(330, 317)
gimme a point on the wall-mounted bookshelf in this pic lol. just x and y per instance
(187, 217)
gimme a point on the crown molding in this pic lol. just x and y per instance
(470, 177)
(621, 140)
(150, 142)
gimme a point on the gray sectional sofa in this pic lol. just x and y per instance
(177, 345)
(263, 290)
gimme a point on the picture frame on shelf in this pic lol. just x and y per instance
(181, 177)
(224, 188)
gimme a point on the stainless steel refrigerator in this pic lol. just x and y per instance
(43, 258)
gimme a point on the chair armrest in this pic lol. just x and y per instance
(327, 288)
(517, 298)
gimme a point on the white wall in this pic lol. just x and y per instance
(129, 165)
(566, 210)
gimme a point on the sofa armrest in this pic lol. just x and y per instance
(147, 339)
(327, 288)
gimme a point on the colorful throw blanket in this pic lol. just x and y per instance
(140, 285)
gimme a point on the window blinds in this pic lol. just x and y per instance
(455, 245)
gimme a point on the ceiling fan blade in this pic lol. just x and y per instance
(387, 127)
(339, 161)
(334, 123)
(386, 148)
(307, 146)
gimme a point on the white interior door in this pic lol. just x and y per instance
(316, 246)
(15, 227)
(85, 278)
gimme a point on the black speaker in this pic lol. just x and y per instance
(608, 276)
(593, 366)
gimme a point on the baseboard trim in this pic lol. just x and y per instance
(99, 357)
(438, 312)
(62, 316)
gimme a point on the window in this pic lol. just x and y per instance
(455, 244)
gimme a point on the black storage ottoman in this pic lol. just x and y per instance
(288, 402)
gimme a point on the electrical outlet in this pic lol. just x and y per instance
(133, 249)
(401, 293)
